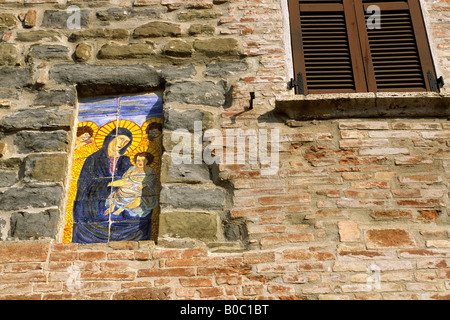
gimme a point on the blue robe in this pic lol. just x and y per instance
(91, 225)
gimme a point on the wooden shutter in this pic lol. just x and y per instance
(327, 46)
(335, 51)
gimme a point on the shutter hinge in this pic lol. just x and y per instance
(297, 84)
(435, 84)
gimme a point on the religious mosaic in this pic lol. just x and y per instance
(114, 187)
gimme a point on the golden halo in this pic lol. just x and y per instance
(147, 122)
(91, 124)
(127, 124)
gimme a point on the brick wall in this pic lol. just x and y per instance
(358, 208)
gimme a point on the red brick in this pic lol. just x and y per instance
(92, 255)
(24, 251)
(252, 290)
(280, 289)
(169, 272)
(428, 178)
(391, 214)
(185, 292)
(362, 160)
(355, 176)
(30, 19)
(428, 215)
(291, 238)
(210, 292)
(142, 255)
(114, 266)
(196, 282)
(364, 125)
(121, 255)
(195, 261)
(23, 267)
(109, 275)
(259, 257)
(270, 200)
(370, 185)
(166, 253)
(419, 203)
(222, 271)
(229, 280)
(296, 254)
(123, 245)
(388, 238)
(23, 277)
(348, 231)
(406, 193)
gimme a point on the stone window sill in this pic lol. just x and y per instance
(363, 105)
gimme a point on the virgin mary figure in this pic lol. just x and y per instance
(93, 189)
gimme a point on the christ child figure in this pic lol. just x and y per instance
(137, 190)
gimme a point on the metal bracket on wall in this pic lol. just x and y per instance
(435, 84)
(299, 84)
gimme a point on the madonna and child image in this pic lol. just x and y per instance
(115, 185)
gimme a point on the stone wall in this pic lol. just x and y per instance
(352, 201)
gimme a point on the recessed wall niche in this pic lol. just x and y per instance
(115, 178)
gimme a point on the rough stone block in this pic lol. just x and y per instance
(15, 77)
(198, 93)
(178, 48)
(138, 75)
(191, 197)
(83, 52)
(30, 141)
(225, 69)
(157, 29)
(174, 119)
(130, 51)
(101, 33)
(199, 15)
(7, 20)
(218, 46)
(36, 36)
(171, 73)
(197, 225)
(56, 97)
(59, 19)
(120, 14)
(31, 196)
(49, 52)
(38, 118)
(45, 167)
(8, 54)
(25, 226)
(188, 173)
(197, 29)
(8, 178)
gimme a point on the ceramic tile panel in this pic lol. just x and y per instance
(115, 178)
